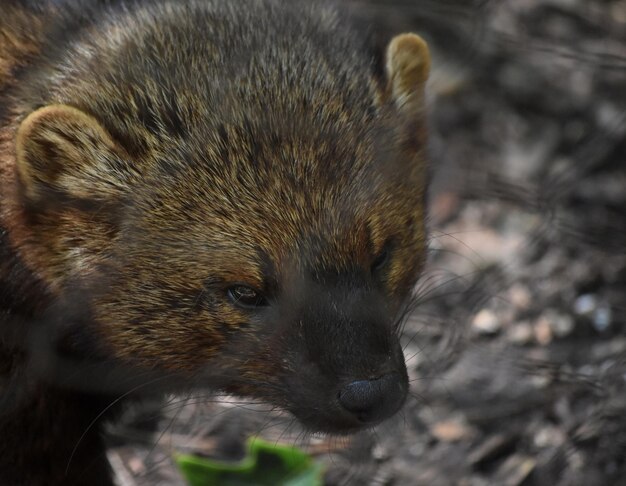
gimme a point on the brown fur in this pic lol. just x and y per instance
(159, 155)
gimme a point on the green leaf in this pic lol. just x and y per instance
(266, 464)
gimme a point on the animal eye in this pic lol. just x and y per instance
(246, 297)
(381, 259)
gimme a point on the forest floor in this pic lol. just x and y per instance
(517, 350)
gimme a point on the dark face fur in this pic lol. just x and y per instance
(285, 288)
(267, 249)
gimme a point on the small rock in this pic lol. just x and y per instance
(552, 324)
(136, 466)
(602, 318)
(543, 331)
(417, 449)
(451, 430)
(561, 324)
(380, 452)
(521, 333)
(600, 313)
(549, 436)
(520, 296)
(486, 322)
(585, 304)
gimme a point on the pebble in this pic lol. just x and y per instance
(600, 313)
(585, 304)
(520, 296)
(521, 333)
(380, 452)
(486, 322)
(543, 332)
(602, 318)
(549, 436)
(552, 324)
(136, 465)
(451, 430)
(561, 324)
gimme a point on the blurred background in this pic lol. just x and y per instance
(517, 349)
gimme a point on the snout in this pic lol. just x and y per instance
(346, 369)
(370, 401)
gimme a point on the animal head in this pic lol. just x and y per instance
(265, 241)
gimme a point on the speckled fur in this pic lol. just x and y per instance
(213, 142)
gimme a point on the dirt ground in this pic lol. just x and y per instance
(517, 349)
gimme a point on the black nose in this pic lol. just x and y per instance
(374, 400)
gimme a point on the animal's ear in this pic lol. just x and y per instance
(65, 154)
(407, 69)
(72, 182)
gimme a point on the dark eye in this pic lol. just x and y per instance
(246, 297)
(381, 259)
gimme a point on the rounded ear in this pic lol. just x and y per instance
(72, 181)
(64, 153)
(407, 69)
